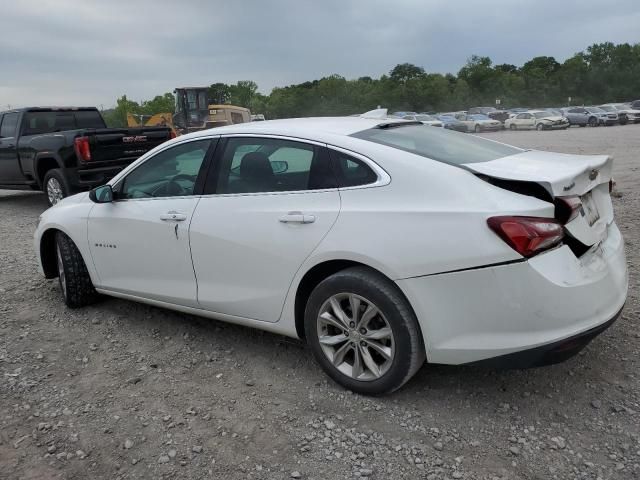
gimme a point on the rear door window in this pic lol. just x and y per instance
(264, 165)
(9, 124)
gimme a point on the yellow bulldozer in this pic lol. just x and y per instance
(193, 112)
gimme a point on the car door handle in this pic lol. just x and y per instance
(173, 217)
(297, 218)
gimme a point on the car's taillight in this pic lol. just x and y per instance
(567, 208)
(83, 149)
(527, 235)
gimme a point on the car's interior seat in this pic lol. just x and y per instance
(256, 174)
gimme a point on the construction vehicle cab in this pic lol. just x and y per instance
(193, 111)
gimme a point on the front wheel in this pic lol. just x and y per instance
(55, 186)
(513, 126)
(363, 332)
(75, 282)
(478, 129)
(593, 122)
(540, 127)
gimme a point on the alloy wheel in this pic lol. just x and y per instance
(355, 336)
(54, 191)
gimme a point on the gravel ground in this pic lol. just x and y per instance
(123, 390)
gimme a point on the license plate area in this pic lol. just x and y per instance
(589, 209)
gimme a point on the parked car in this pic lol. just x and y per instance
(479, 123)
(424, 118)
(491, 112)
(579, 116)
(635, 104)
(626, 112)
(65, 150)
(604, 117)
(557, 112)
(452, 123)
(402, 114)
(516, 110)
(537, 119)
(265, 227)
(621, 117)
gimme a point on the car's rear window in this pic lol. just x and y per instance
(438, 144)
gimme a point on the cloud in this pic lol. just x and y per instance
(90, 52)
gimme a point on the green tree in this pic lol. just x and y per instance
(219, 93)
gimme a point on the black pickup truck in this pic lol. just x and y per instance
(65, 150)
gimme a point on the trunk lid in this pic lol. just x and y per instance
(563, 175)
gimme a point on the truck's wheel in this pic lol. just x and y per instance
(55, 186)
(73, 276)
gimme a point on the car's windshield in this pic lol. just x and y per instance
(541, 114)
(594, 110)
(479, 116)
(608, 108)
(438, 144)
(424, 118)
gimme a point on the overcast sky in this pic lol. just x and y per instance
(90, 52)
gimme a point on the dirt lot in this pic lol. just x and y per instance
(122, 390)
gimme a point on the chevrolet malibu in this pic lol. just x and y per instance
(382, 243)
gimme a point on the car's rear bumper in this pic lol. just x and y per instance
(478, 314)
(549, 354)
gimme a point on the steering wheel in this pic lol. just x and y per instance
(172, 188)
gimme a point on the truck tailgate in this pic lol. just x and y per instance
(124, 145)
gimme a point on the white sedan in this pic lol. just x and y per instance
(538, 120)
(479, 123)
(379, 242)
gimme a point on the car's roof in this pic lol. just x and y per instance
(309, 127)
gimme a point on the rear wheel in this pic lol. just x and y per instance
(75, 283)
(363, 332)
(55, 186)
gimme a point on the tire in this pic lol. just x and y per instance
(540, 127)
(55, 186)
(403, 344)
(73, 277)
(593, 122)
(513, 127)
(477, 129)
(624, 120)
(583, 124)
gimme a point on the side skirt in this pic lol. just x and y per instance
(276, 327)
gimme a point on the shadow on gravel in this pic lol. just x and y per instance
(439, 383)
(23, 198)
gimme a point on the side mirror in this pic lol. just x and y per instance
(279, 166)
(101, 194)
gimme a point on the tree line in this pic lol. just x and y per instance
(604, 72)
